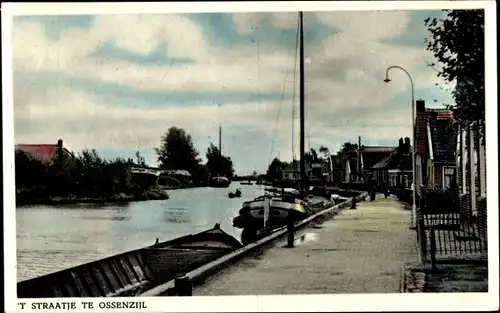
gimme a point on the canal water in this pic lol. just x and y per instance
(52, 238)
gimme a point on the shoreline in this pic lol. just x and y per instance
(25, 200)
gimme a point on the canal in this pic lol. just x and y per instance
(52, 238)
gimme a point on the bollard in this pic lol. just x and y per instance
(290, 226)
(353, 205)
(433, 249)
(183, 285)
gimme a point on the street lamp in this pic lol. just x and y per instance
(387, 80)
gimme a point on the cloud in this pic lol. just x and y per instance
(119, 80)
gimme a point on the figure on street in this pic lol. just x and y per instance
(372, 188)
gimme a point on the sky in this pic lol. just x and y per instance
(116, 83)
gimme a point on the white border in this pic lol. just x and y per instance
(302, 303)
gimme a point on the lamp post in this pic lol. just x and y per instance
(387, 80)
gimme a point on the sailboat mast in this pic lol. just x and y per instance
(302, 129)
(220, 139)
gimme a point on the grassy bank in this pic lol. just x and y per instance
(27, 197)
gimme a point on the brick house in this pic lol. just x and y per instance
(436, 140)
(359, 168)
(395, 168)
(471, 176)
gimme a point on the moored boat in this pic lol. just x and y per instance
(236, 194)
(219, 182)
(132, 272)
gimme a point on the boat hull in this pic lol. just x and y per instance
(130, 273)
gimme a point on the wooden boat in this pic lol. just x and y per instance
(219, 182)
(132, 272)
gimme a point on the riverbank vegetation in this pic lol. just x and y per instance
(177, 152)
(86, 177)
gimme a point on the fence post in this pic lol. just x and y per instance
(183, 285)
(423, 239)
(433, 248)
(290, 226)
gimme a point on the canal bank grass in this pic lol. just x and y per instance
(149, 194)
(204, 273)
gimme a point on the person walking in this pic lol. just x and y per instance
(372, 188)
(385, 188)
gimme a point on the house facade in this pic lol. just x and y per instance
(396, 168)
(292, 171)
(358, 166)
(471, 175)
(436, 141)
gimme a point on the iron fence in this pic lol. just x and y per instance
(445, 235)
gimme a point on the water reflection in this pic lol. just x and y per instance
(177, 216)
(51, 238)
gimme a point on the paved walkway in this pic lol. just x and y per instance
(359, 251)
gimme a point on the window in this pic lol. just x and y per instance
(448, 174)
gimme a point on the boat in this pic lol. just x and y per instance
(236, 194)
(266, 213)
(246, 183)
(133, 272)
(219, 182)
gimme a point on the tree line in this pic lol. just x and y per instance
(177, 152)
(89, 175)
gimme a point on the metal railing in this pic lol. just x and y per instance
(447, 236)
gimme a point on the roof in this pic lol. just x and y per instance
(371, 157)
(44, 153)
(376, 149)
(444, 132)
(392, 161)
(295, 166)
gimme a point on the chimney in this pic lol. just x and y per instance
(60, 143)
(407, 145)
(420, 106)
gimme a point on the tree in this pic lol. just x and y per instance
(311, 156)
(141, 161)
(275, 169)
(348, 147)
(177, 151)
(325, 151)
(457, 42)
(218, 164)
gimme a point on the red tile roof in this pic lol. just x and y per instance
(44, 153)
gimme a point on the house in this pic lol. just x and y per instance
(292, 171)
(436, 141)
(396, 168)
(45, 153)
(471, 175)
(359, 168)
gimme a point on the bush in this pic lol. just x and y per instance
(437, 200)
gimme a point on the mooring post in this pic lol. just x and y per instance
(291, 230)
(353, 205)
(183, 285)
(433, 249)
